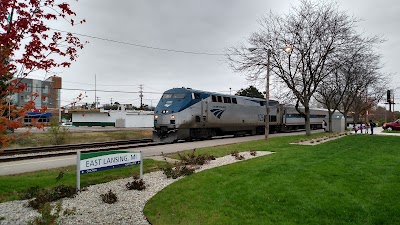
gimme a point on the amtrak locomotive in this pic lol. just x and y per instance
(186, 114)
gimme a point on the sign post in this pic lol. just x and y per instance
(97, 161)
(78, 170)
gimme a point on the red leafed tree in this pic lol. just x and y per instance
(30, 45)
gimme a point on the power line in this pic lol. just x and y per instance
(141, 46)
(128, 92)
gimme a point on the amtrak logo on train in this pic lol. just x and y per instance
(168, 104)
(217, 112)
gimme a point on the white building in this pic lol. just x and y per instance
(115, 118)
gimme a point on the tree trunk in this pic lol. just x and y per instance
(307, 120)
(330, 114)
(345, 119)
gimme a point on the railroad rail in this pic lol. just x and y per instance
(62, 150)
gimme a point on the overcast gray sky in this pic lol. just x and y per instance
(206, 26)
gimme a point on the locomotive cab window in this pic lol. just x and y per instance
(196, 95)
(234, 101)
(167, 96)
(227, 100)
(219, 98)
(180, 95)
(214, 98)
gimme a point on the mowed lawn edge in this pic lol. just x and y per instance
(350, 180)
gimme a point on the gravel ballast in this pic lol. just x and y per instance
(88, 208)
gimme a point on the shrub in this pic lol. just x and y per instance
(57, 134)
(45, 196)
(110, 197)
(237, 155)
(63, 191)
(177, 170)
(46, 215)
(253, 152)
(234, 153)
(31, 192)
(136, 185)
(193, 159)
(240, 157)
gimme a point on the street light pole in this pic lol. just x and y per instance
(267, 94)
(287, 49)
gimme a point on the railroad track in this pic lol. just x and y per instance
(62, 150)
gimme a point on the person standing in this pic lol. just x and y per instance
(324, 125)
(361, 127)
(355, 128)
(372, 125)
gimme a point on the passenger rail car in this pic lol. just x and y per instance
(185, 114)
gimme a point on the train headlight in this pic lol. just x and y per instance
(172, 117)
(156, 117)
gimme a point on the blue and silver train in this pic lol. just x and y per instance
(187, 114)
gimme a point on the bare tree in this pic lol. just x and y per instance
(356, 68)
(317, 33)
(364, 85)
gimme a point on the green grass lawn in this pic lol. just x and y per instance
(351, 180)
(13, 186)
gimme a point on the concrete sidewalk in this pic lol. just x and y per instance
(377, 131)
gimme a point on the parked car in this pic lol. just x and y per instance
(392, 125)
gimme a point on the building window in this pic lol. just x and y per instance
(46, 89)
(27, 87)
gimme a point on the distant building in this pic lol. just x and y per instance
(121, 117)
(48, 92)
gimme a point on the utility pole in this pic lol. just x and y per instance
(97, 101)
(111, 101)
(141, 96)
(95, 97)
